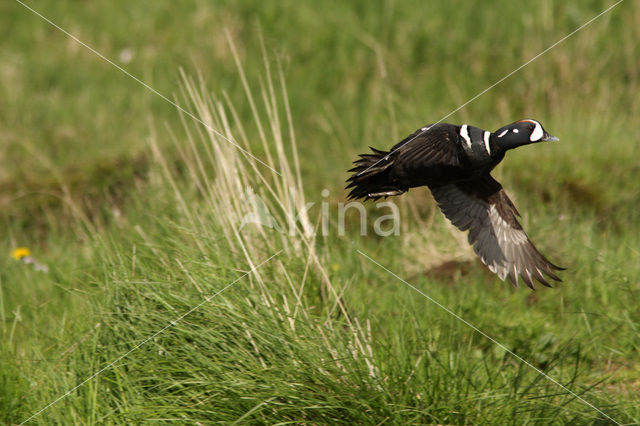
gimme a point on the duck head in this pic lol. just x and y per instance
(521, 132)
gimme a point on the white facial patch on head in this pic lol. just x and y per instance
(515, 130)
(537, 133)
(465, 135)
(485, 137)
(504, 132)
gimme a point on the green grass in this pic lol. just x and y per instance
(133, 206)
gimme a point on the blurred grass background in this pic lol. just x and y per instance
(80, 186)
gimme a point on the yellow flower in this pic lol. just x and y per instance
(20, 252)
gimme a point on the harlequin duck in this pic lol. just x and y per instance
(455, 163)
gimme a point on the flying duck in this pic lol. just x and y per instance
(455, 162)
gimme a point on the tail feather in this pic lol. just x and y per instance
(371, 177)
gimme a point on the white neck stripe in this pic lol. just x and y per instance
(485, 136)
(465, 135)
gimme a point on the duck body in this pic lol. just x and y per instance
(455, 163)
(439, 154)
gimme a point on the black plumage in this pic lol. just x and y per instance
(455, 162)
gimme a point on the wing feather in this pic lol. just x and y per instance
(424, 148)
(484, 209)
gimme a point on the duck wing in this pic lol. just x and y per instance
(483, 208)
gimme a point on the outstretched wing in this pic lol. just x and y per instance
(482, 207)
(432, 145)
(429, 151)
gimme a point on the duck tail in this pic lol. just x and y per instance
(371, 177)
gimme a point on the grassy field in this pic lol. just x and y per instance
(157, 307)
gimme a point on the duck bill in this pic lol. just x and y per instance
(549, 138)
